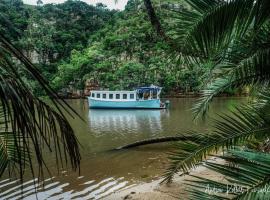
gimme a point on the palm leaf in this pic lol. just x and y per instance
(251, 71)
(222, 22)
(248, 179)
(34, 124)
(208, 31)
(233, 35)
(8, 152)
(229, 130)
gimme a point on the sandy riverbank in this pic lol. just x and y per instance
(155, 190)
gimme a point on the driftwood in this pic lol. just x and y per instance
(156, 140)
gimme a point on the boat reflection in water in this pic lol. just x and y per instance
(126, 121)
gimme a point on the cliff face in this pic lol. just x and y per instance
(37, 58)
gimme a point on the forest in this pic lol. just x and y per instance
(116, 49)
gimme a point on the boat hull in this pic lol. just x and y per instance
(140, 104)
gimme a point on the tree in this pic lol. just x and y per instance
(74, 22)
(39, 3)
(13, 19)
(154, 19)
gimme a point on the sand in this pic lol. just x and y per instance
(155, 190)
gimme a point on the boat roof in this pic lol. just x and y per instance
(148, 88)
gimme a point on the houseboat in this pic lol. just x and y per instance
(141, 98)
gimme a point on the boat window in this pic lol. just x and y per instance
(124, 96)
(93, 94)
(98, 95)
(131, 96)
(110, 96)
(117, 96)
(104, 96)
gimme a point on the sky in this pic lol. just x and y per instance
(110, 3)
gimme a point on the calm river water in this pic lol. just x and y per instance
(104, 171)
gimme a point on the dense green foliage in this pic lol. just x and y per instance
(48, 33)
(52, 30)
(127, 53)
(74, 41)
(13, 18)
(55, 30)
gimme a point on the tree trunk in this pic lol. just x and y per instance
(156, 140)
(160, 31)
(154, 19)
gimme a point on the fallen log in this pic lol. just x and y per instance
(156, 140)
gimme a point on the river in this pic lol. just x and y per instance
(104, 171)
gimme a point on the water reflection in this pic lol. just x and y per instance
(126, 121)
(54, 189)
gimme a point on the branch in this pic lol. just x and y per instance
(190, 55)
(155, 140)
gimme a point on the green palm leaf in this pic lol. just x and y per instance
(251, 71)
(248, 179)
(9, 154)
(230, 130)
(222, 22)
(28, 125)
(233, 35)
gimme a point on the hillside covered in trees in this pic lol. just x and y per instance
(73, 42)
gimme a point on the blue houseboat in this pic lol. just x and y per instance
(141, 98)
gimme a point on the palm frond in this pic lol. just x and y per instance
(247, 179)
(35, 126)
(229, 130)
(233, 35)
(209, 26)
(251, 71)
(9, 154)
(209, 30)
(225, 22)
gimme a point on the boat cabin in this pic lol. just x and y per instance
(142, 93)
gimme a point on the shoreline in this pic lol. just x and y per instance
(173, 191)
